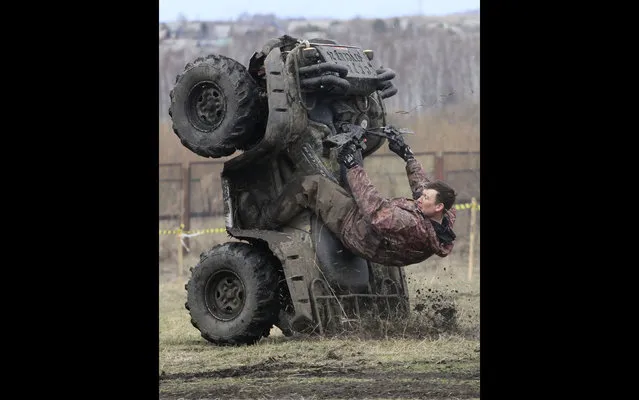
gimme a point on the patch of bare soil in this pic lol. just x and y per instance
(355, 379)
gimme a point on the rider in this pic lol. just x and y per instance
(387, 231)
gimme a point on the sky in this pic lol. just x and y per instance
(211, 10)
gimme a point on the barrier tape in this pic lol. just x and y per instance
(465, 206)
(190, 233)
(196, 232)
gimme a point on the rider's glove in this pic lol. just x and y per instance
(346, 155)
(400, 148)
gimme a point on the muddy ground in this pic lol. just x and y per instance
(348, 377)
(361, 383)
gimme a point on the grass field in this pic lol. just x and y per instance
(419, 360)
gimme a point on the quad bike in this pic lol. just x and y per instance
(283, 114)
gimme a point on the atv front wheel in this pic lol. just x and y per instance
(232, 295)
(215, 106)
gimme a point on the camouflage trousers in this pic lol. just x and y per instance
(325, 198)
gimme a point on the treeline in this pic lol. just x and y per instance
(437, 62)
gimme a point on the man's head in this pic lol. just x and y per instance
(436, 198)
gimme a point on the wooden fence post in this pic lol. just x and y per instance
(180, 255)
(439, 166)
(471, 249)
(186, 201)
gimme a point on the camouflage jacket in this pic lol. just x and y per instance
(391, 231)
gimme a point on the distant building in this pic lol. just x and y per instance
(165, 32)
(301, 26)
(185, 30)
(221, 31)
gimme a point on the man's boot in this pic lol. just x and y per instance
(283, 208)
(249, 210)
(250, 204)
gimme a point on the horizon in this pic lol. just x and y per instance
(201, 10)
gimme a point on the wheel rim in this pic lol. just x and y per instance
(206, 106)
(224, 295)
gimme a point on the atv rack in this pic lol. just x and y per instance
(348, 305)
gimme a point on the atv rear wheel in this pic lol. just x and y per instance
(232, 295)
(215, 106)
